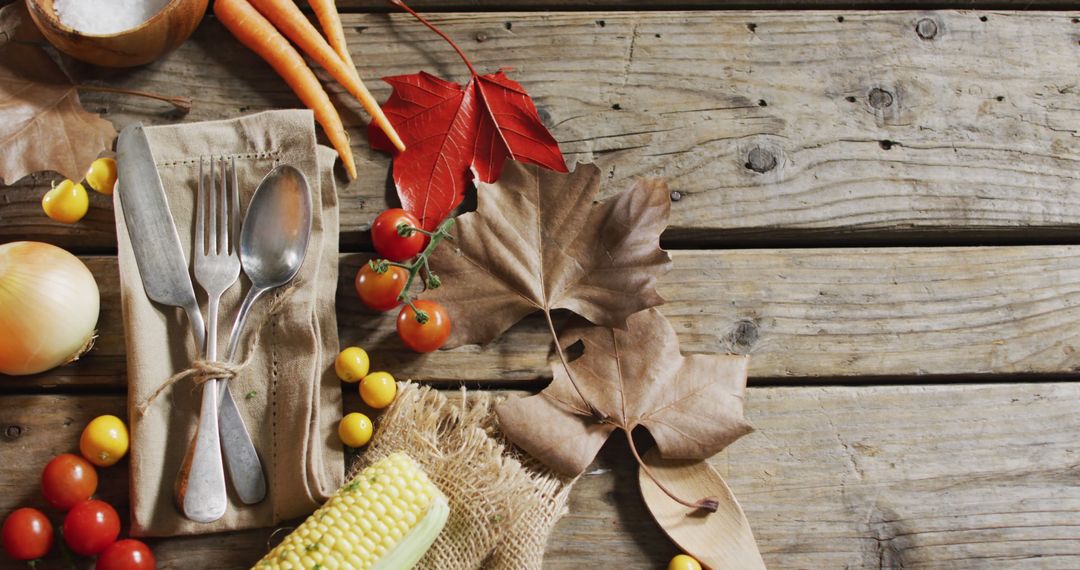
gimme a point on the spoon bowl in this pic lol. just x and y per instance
(276, 229)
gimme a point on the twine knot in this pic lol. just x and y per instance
(202, 370)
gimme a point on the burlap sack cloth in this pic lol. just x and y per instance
(288, 393)
(503, 505)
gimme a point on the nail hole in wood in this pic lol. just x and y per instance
(752, 27)
(983, 18)
(840, 19)
(509, 25)
(760, 160)
(886, 144)
(601, 23)
(850, 99)
(1000, 98)
(880, 98)
(12, 432)
(926, 28)
(762, 103)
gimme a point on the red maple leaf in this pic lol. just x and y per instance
(450, 130)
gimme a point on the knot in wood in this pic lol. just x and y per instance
(12, 432)
(745, 335)
(880, 98)
(545, 117)
(926, 28)
(760, 160)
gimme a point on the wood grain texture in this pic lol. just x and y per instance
(793, 128)
(510, 5)
(885, 477)
(803, 314)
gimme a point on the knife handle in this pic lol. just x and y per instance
(245, 469)
(198, 327)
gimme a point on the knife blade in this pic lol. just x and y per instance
(158, 254)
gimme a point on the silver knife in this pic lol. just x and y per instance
(162, 265)
(164, 272)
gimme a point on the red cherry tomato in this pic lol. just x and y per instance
(127, 554)
(428, 336)
(389, 243)
(67, 480)
(90, 527)
(380, 291)
(27, 534)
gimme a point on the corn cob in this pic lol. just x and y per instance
(385, 518)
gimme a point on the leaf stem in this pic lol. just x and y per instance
(709, 504)
(401, 4)
(595, 413)
(181, 103)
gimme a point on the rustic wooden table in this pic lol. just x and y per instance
(880, 207)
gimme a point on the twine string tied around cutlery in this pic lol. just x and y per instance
(203, 370)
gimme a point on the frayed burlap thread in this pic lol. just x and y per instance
(502, 505)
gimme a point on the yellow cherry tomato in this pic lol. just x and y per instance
(102, 175)
(684, 562)
(104, 441)
(67, 202)
(352, 364)
(378, 389)
(355, 430)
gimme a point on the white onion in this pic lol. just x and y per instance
(49, 307)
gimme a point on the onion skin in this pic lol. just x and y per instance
(49, 304)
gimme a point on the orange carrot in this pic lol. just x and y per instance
(255, 32)
(330, 21)
(288, 18)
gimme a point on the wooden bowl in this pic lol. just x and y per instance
(159, 35)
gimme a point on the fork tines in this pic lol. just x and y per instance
(221, 207)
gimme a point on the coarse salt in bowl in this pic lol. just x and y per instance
(103, 17)
(116, 33)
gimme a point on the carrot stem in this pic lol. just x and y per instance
(259, 35)
(287, 17)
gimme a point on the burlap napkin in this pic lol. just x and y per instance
(503, 504)
(288, 393)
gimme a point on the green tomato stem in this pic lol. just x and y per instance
(422, 262)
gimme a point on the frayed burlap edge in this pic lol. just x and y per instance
(503, 506)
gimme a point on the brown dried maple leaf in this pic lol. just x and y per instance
(43, 126)
(538, 242)
(692, 405)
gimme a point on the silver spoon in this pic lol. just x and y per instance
(273, 243)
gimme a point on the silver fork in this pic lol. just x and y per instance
(217, 267)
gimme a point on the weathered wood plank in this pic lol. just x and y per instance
(508, 5)
(772, 127)
(804, 315)
(915, 477)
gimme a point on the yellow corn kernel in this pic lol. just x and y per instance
(385, 518)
